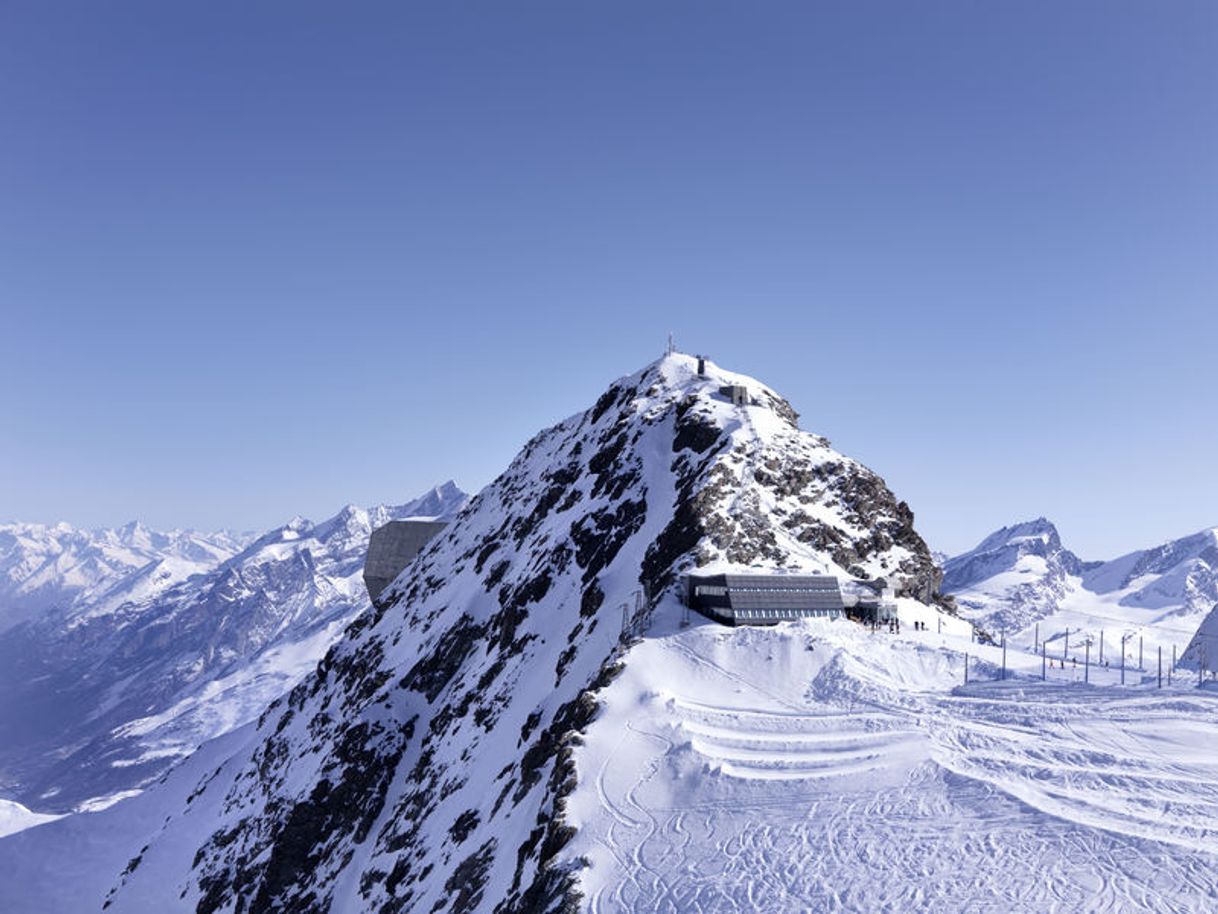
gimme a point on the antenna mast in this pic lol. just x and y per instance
(672, 346)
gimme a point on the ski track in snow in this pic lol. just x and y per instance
(725, 792)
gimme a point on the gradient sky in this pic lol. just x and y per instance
(261, 259)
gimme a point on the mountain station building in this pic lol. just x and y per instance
(764, 599)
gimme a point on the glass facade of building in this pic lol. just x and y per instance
(764, 599)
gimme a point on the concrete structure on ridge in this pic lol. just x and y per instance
(392, 547)
(737, 393)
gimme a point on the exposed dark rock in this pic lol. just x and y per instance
(598, 537)
(435, 670)
(465, 886)
(694, 432)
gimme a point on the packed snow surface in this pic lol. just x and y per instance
(818, 766)
(14, 817)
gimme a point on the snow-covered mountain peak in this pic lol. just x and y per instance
(442, 501)
(135, 533)
(1196, 552)
(1022, 575)
(427, 759)
(1037, 536)
(352, 520)
(46, 567)
(1014, 576)
(295, 527)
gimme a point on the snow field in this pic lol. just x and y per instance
(818, 766)
(14, 817)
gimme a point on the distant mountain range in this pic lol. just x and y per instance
(60, 567)
(126, 649)
(1022, 576)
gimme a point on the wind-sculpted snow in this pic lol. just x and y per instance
(98, 699)
(427, 765)
(820, 767)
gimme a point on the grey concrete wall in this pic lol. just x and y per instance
(392, 547)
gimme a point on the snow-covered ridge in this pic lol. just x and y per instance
(99, 698)
(426, 762)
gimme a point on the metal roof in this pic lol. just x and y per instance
(770, 591)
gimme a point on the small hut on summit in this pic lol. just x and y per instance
(737, 393)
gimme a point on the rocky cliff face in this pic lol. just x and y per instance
(424, 765)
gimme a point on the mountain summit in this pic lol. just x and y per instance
(1014, 576)
(425, 763)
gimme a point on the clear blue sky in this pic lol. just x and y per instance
(260, 259)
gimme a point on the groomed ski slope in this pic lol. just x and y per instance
(816, 766)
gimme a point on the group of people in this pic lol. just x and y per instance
(894, 626)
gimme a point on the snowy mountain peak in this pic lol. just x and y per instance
(1022, 574)
(1014, 576)
(427, 761)
(168, 652)
(1038, 536)
(59, 567)
(1199, 551)
(1178, 577)
(134, 532)
(442, 502)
